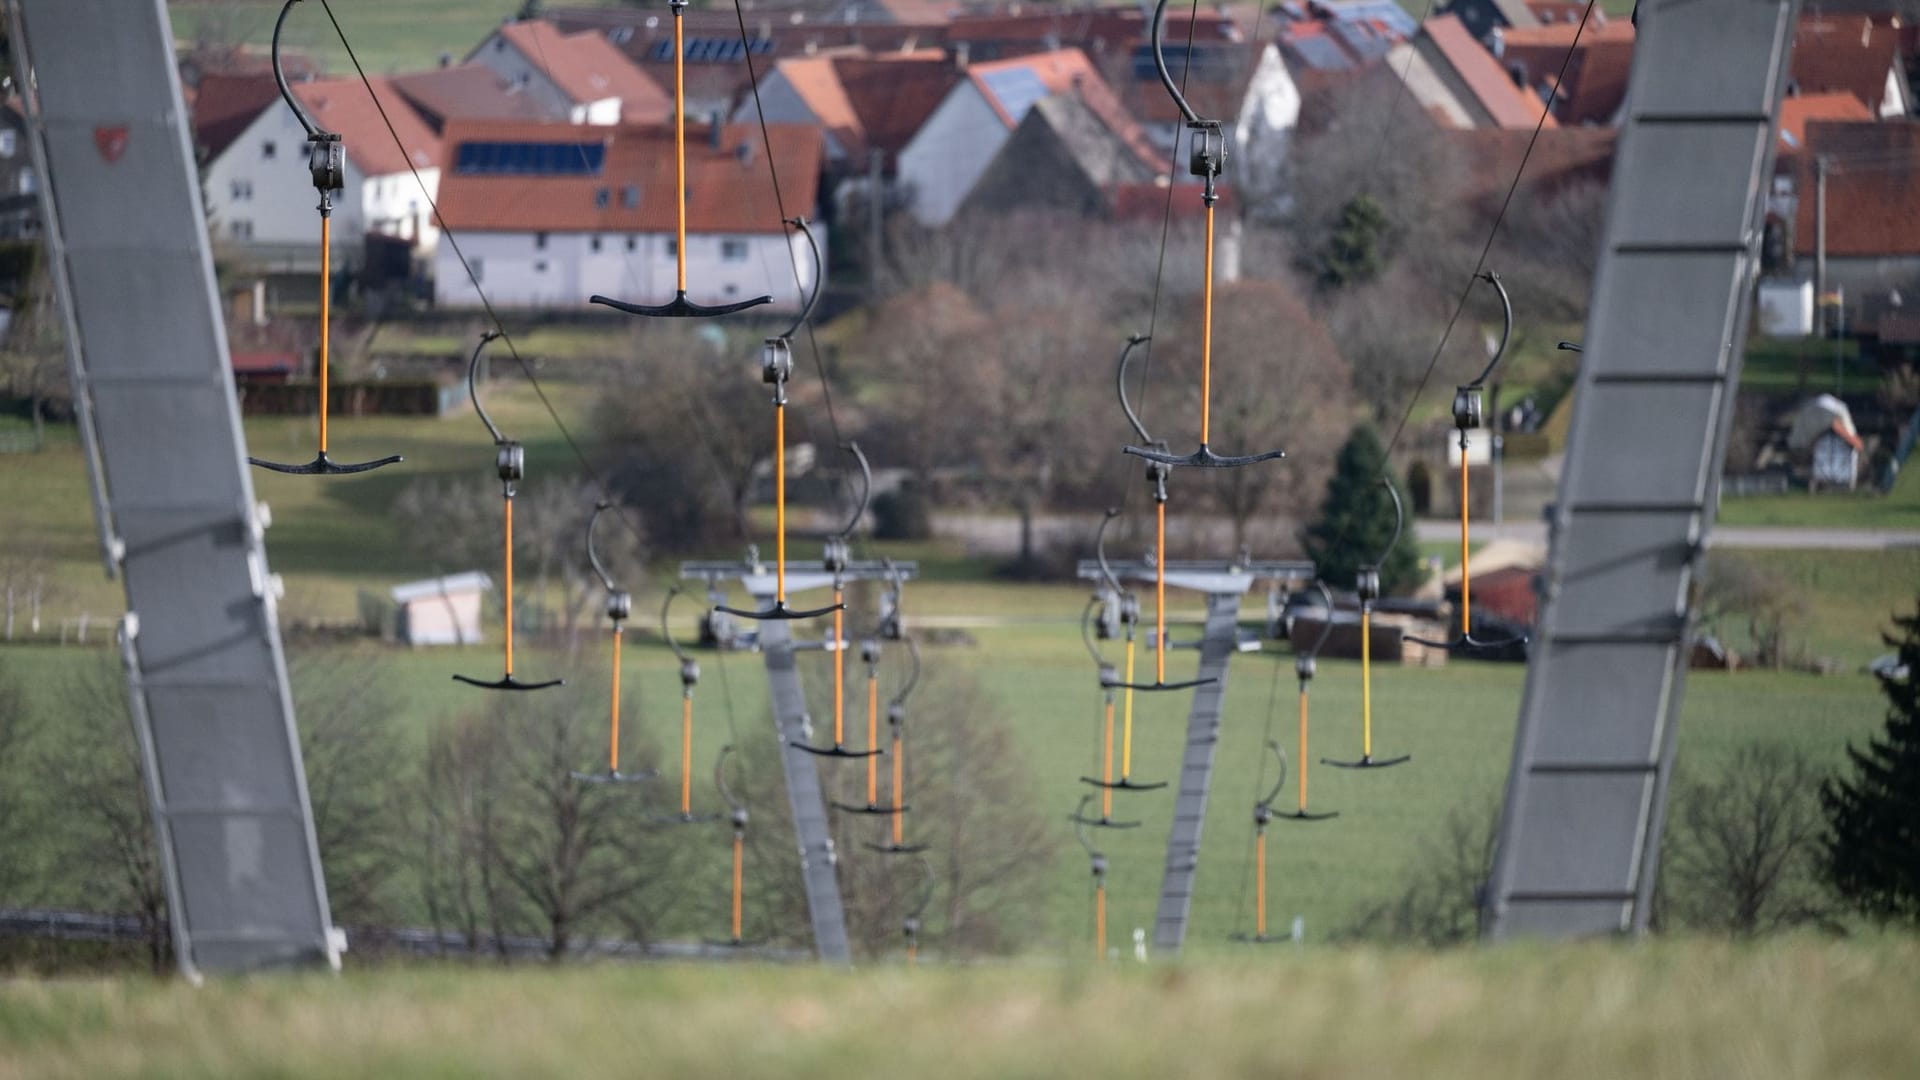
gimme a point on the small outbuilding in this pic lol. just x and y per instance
(440, 611)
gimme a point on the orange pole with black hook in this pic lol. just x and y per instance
(839, 674)
(686, 753)
(1260, 882)
(509, 561)
(1206, 330)
(1100, 919)
(739, 877)
(899, 791)
(1106, 763)
(1366, 685)
(613, 738)
(1159, 594)
(780, 521)
(1466, 577)
(873, 733)
(326, 307)
(680, 150)
(1302, 770)
(1126, 731)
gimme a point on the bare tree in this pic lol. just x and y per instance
(1734, 589)
(103, 830)
(354, 762)
(1439, 900)
(33, 364)
(26, 580)
(1742, 850)
(452, 818)
(17, 822)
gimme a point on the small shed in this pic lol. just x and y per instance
(1824, 439)
(441, 611)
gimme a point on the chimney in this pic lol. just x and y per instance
(713, 134)
(446, 59)
(957, 53)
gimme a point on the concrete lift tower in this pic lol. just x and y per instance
(126, 244)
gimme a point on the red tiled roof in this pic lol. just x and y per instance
(893, 96)
(1596, 80)
(469, 91)
(1560, 156)
(587, 68)
(343, 106)
(225, 105)
(1797, 112)
(814, 80)
(1509, 105)
(1852, 53)
(1069, 71)
(728, 190)
(1873, 188)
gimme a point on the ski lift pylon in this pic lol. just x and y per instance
(619, 607)
(327, 163)
(1367, 585)
(1469, 413)
(510, 461)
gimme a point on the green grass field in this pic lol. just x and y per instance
(1789, 1008)
(398, 35)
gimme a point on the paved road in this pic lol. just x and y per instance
(1777, 537)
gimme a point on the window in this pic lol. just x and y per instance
(630, 196)
(620, 35)
(6, 143)
(601, 197)
(539, 241)
(594, 244)
(27, 185)
(673, 247)
(267, 150)
(539, 266)
(479, 267)
(242, 229)
(733, 250)
(242, 190)
(633, 243)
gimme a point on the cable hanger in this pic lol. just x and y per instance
(834, 559)
(619, 607)
(910, 926)
(1367, 586)
(870, 655)
(1262, 814)
(776, 369)
(1108, 680)
(689, 678)
(1207, 159)
(1303, 666)
(897, 731)
(327, 162)
(1097, 863)
(510, 460)
(1157, 473)
(679, 306)
(737, 814)
(1469, 413)
(1130, 618)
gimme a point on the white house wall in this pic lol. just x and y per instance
(516, 271)
(273, 206)
(950, 152)
(394, 205)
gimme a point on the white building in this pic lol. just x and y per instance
(440, 611)
(580, 76)
(260, 196)
(549, 215)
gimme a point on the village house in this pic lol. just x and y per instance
(473, 91)
(1455, 80)
(260, 197)
(551, 214)
(580, 76)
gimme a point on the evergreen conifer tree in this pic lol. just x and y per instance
(1356, 520)
(1873, 815)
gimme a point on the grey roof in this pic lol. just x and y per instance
(1100, 152)
(471, 581)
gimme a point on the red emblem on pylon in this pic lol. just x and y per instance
(111, 142)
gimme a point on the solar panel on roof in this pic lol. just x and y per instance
(1210, 64)
(530, 159)
(1016, 89)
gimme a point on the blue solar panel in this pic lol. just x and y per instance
(1320, 53)
(1017, 90)
(530, 159)
(1385, 12)
(1210, 63)
(1366, 42)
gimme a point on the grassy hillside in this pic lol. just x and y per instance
(1787, 1008)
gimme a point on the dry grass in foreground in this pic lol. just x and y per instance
(1786, 1008)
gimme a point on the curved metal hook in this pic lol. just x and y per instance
(1326, 631)
(1280, 781)
(1100, 552)
(1506, 326)
(720, 779)
(667, 633)
(280, 78)
(1079, 819)
(1160, 65)
(473, 388)
(1086, 633)
(913, 676)
(819, 276)
(593, 557)
(866, 489)
(926, 890)
(1120, 384)
(1399, 520)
